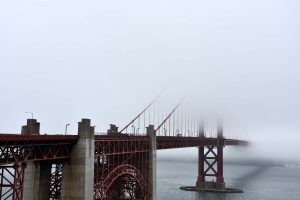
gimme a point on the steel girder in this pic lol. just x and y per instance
(122, 168)
(55, 182)
(12, 181)
(170, 142)
(210, 159)
(27, 148)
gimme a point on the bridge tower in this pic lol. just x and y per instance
(210, 163)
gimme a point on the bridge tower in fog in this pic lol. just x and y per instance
(210, 163)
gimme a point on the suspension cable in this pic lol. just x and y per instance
(163, 122)
(143, 111)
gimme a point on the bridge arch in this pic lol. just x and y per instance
(123, 172)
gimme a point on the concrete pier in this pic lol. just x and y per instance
(152, 162)
(37, 174)
(44, 181)
(78, 172)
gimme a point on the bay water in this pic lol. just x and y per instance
(257, 182)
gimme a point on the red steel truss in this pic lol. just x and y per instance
(122, 167)
(55, 182)
(11, 181)
(170, 142)
(210, 159)
(121, 145)
(21, 148)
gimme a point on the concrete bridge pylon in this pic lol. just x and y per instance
(37, 176)
(78, 172)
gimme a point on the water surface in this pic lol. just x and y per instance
(276, 183)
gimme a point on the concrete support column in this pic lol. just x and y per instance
(152, 162)
(31, 181)
(78, 172)
(44, 181)
(37, 176)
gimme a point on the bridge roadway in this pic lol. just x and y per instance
(16, 148)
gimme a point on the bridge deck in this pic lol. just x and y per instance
(45, 137)
(15, 148)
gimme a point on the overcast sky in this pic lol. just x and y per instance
(105, 60)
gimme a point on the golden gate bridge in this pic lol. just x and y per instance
(120, 164)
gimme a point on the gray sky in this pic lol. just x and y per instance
(105, 60)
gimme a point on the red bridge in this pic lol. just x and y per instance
(117, 165)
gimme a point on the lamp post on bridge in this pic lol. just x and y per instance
(66, 128)
(31, 113)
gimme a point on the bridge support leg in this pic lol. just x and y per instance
(152, 162)
(78, 172)
(37, 174)
(31, 181)
(220, 184)
(44, 181)
(211, 164)
(11, 181)
(201, 177)
(201, 159)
